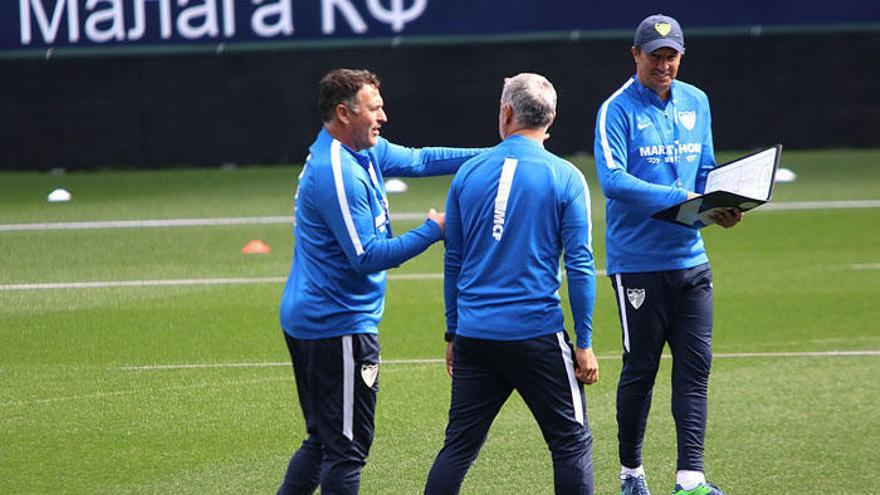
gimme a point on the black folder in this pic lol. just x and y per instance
(756, 190)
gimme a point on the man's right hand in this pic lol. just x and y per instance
(438, 218)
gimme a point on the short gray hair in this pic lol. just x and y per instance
(532, 98)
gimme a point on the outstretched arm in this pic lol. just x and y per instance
(400, 161)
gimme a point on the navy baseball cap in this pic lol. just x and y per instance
(659, 31)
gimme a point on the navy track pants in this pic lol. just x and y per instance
(673, 307)
(337, 381)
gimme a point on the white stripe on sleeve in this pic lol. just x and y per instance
(589, 206)
(336, 163)
(572, 381)
(606, 149)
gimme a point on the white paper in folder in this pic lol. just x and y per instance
(751, 176)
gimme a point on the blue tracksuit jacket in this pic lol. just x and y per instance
(649, 153)
(343, 234)
(510, 213)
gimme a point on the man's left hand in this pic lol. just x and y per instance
(587, 367)
(726, 217)
(449, 358)
(438, 218)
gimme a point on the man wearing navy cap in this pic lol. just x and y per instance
(653, 149)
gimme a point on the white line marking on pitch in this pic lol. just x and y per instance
(866, 266)
(721, 355)
(112, 284)
(126, 224)
(118, 393)
(269, 220)
(171, 222)
(820, 205)
(142, 283)
(158, 367)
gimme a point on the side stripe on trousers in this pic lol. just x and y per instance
(621, 302)
(347, 387)
(567, 358)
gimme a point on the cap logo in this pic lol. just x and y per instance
(663, 28)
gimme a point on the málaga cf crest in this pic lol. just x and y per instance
(636, 297)
(369, 373)
(688, 119)
(663, 28)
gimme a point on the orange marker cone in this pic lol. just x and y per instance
(256, 247)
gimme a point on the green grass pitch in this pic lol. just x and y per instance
(78, 414)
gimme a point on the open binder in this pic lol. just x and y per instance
(744, 184)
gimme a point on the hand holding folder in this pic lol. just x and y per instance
(742, 184)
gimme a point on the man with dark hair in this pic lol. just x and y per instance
(511, 212)
(335, 294)
(654, 149)
(342, 86)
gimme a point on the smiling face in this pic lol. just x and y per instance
(364, 118)
(657, 70)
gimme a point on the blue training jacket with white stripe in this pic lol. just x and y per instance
(510, 214)
(343, 234)
(649, 154)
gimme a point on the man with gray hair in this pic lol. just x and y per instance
(511, 212)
